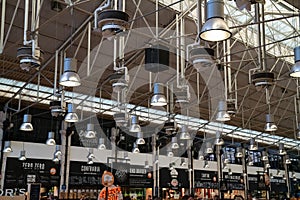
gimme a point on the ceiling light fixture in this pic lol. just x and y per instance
(184, 135)
(222, 115)
(169, 151)
(229, 172)
(26, 125)
(200, 155)
(135, 127)
(126, 157)
(287, 160)
(91, 154)
(270, 125)
(239, 152)
(209, 149)
(101, 145)
(90, 131)
(264, 155)
(56, 108)
(135, 148)
(70, 78)
(140, 138)
(57, 151)
(7, 147)
(146, 164)
(174, 143)
(215, 28)
(226, 159)
(51, 141)
(90, 161)
(183, 162)
(55, 159)
(205, 166)
(295, 71)
(158, 98)
(253, 146)
(250, 160)
(71, 116)
(219, 140)
(22, 156)
(281, 149)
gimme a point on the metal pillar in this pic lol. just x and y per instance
(219, 168)
(287, 175)
(245, 173)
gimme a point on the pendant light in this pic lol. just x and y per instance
(51, 141)
(264, 155)
(209, 149)
(90, 131)
(91, 154)
(135, 127)
(57, 151)
(26, 125)
(222, 115)
(174, 143)
(200, 155)
(101, 145)
(281, 149)
(158, 98)
(287, 160)
(55, 158)
(169, 151)
(70, 78)
(226, 159)
(90, 161)
(270, 125)
(219, 140)
(140, 140)
(71, 116)
(7, 147)
(250, 160)
(126, 157)
(146, 164)
(22, 156)
(253, 146)
(215, 28)
(239, 152)
(229, 172)
(184, 135)
(295, 71)
(135, 148)
(205, 166)
(183, 162)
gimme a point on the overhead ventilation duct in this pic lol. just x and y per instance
(111, 21)
(30, 55)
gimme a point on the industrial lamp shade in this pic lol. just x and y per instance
(135, 127)
(140, 138)
(281, 150)
(22, 156)
(184, 135)
(7, 147)
(101, 145)
(170, 152)
(264, 156)
(90, 161)
(71, 116)
(215, 28)
(55, 159)
(26, 125)
(51, 141)
(222, 115)
(146, 164)
(200, 155)
(57, 151)
(174, 143)
(209, 149)
(90, 131)
(250, 161)
(295, 71)
(158, 98)
(253, 146)
(219, 140)
(70, 78)
(239, 152)
(287, 160)
(135, 148)
(270, 125)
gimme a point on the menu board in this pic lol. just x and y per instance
(132, 175)
(165, 179)
(34, 191)
(82, 174)
(256, 182)
(205, 179)
(19, 173)
(234, 181)
(278, 184)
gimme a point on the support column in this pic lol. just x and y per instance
(190, 168)
(154, 164)
(245, 173)
(219, 168)
(287, 175)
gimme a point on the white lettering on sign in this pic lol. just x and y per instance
(33, 166)
(12, 192)
(137, 171)
(85, 168)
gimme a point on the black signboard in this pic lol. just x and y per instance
(165, 178)
(34, 191)
(82, 174)
(256, 182)
(278, 184)
(132, 175)
(234, 181)
(19, 173)
(205, 179)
